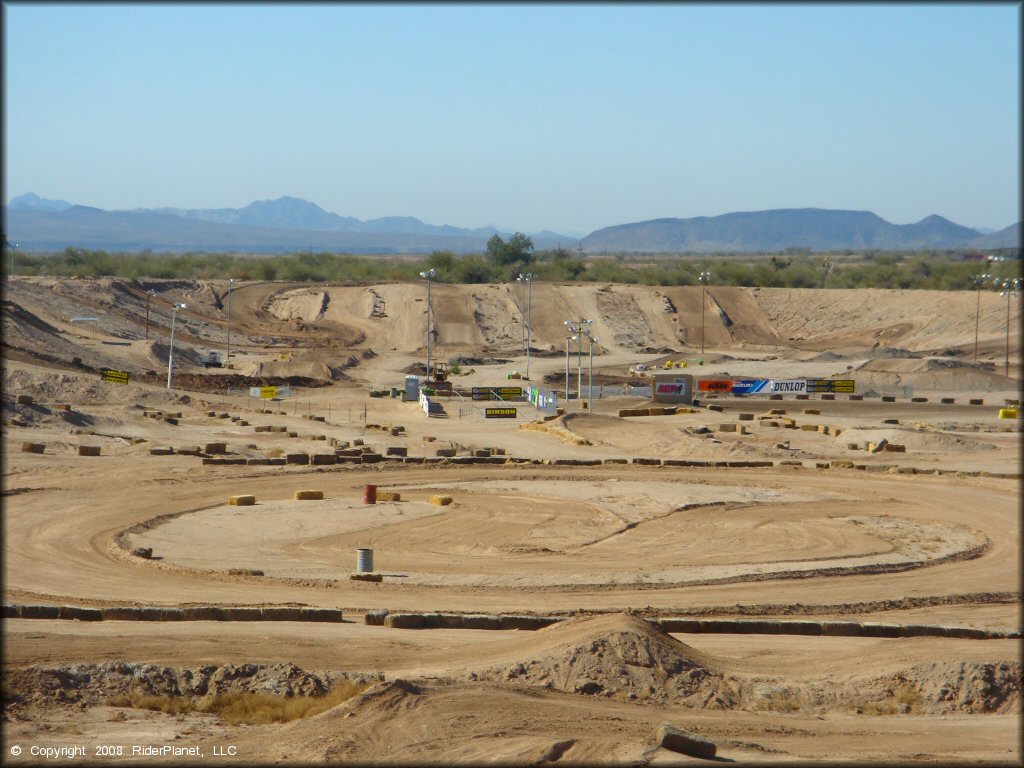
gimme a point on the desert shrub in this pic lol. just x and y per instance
(243, 708)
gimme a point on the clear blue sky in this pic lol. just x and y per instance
(565, 117)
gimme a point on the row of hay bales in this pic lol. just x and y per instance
(83, 450)
(827, 628)
(194, 613)
(655, 410)
(456, 621)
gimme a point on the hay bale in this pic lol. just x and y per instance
(320, 614)
(649, 462)
(375, 618)
(840, 629)
(855, 397)
(146, 553)
(680, 625)
(88, 450)
(880, 629)
(121, 613)
(11, 611)
(172, 420)
(828, 396)
(888, 399)
(405, 621)
(78, 613)
(677, 740)
(746, 417)
(726, 427)
(919, 399)
(309, 495)
(190, 450)
(39, 611)
(244, 500)
(812, 411)
(893, 447)
(375, 577)
(62, 407)
(397, 450)
(296, 458)
(261, 429)
(240, 614)
(161, 451)
(526, 623)
(803, 397)
(441, 500)
(280, 613)
(244, 572)
(808, 427)
(388, 496)
(481, 621)
(202, 613)
(215, 448)
(877, 447)
(323, 458)
(774, 397)
(32, 447)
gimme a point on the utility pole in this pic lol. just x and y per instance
(705, 277)
(428, 275)
(149, 295)
(979, 280)
(580, 328)
(170, 356)
(227, 356)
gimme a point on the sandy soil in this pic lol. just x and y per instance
(606, 546)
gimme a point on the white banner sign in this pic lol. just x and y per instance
(788, 386)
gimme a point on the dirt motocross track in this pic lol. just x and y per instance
(746, 569)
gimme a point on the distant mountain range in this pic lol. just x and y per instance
(291, 224)
(813, 228)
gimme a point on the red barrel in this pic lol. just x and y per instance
(369, 494)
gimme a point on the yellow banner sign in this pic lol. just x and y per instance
(117, 377)
(268, 393)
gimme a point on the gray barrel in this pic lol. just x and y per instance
(364, 561)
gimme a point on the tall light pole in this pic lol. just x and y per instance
(149, 295)
(227, 356)
(527, 281)
(170, 355)
(568, 340)
(979, 280)
(428, 276)
(581, 328)
(705, 277)
(13, 248)
(1009, 292)
(590, 386)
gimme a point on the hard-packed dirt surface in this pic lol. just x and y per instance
(739, 508)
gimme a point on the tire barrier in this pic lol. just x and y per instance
(677, 740)
(24, 400)
(33, 447)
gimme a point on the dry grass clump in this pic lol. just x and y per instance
(901, 700)
(243, 708)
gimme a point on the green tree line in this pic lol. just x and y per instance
(503, 261)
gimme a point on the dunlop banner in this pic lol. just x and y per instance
(501, 413)
(842, 386)
(788, 386)
(117, 377)
(715, 385)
